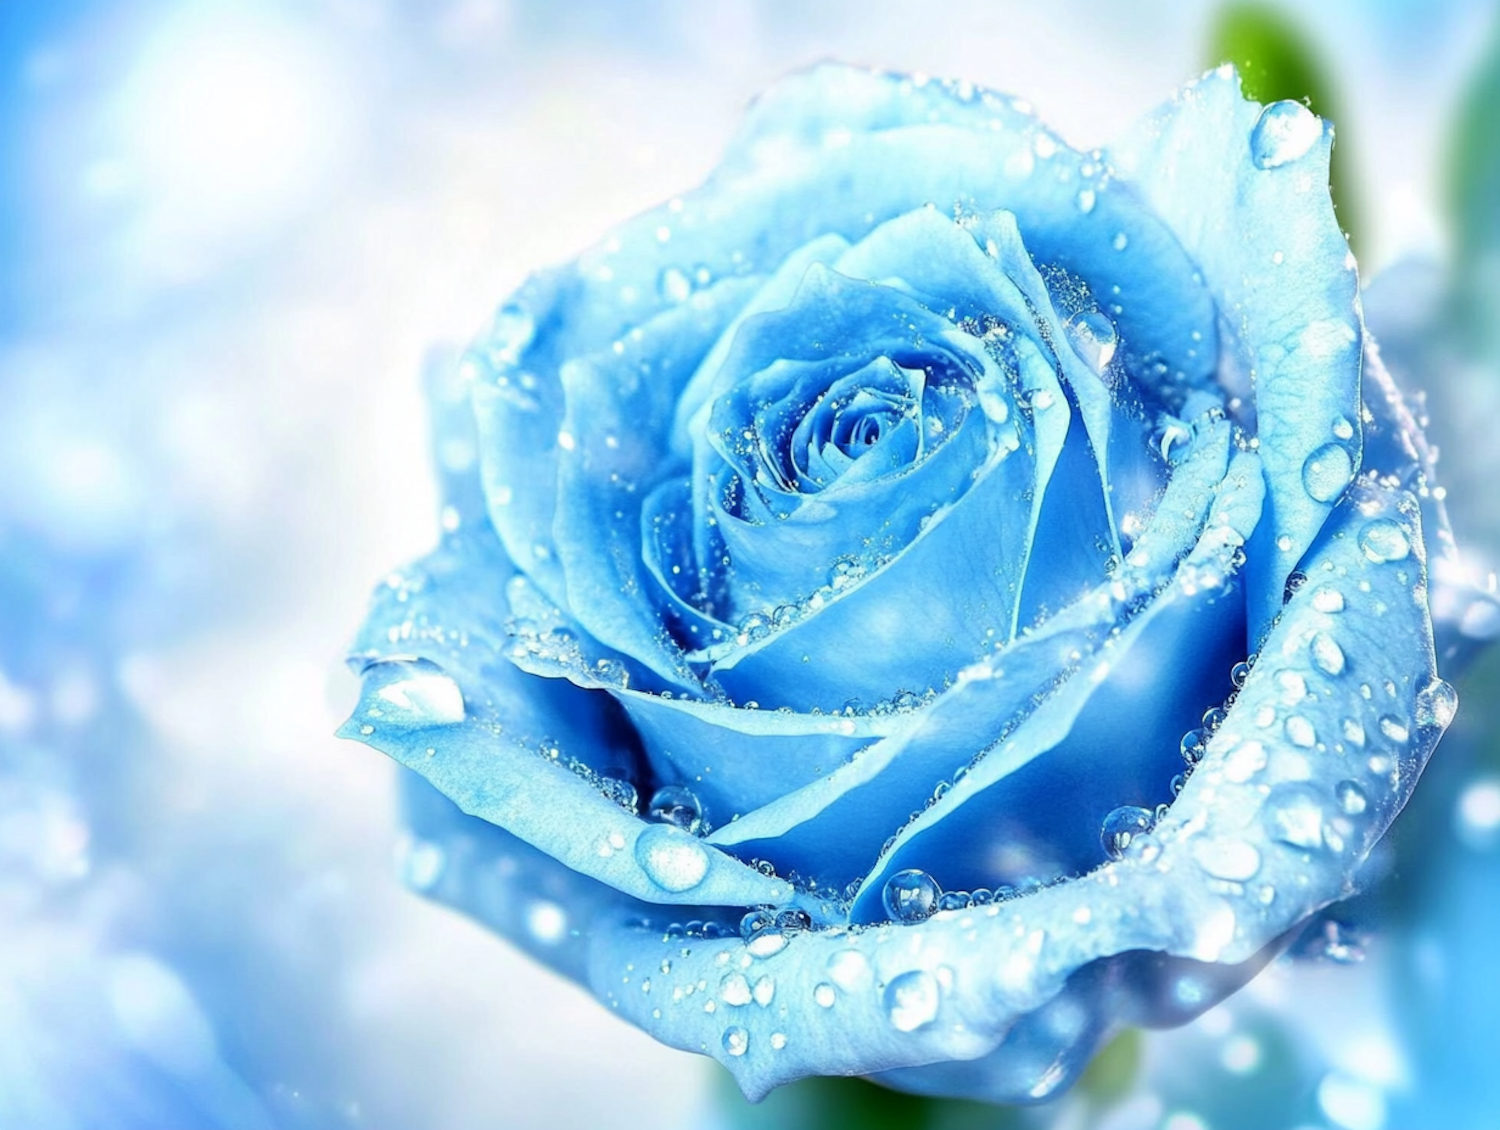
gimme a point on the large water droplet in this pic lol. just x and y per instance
(767, 943)
(1094, 338)
(1327, 472)
(1351, 797)
(910, 896)
(1192, 746)
(911, 1000)
(1122, 826)
(1384, 540)
(736, 1040)
(734, 989)
(1394, 728)
(1300, 732)
(679, 806)
(1231, 860)
(764, 991)
(1285, 131)
(1293, 814)
(671, 858)
(414, 693)
(1327, 656)
(849, 970)
(1328, 599)
(755, 921)
(1436, 704)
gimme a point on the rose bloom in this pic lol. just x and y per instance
(929, 598)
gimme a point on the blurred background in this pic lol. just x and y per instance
(229, 234)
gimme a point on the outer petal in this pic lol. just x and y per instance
(439, 697)
(1267, 831)
(1246, 191)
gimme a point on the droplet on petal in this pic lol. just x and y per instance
(1284, 132)
(911, 1000)
(1122, 826)
(910, 896)
(1094, 338)
(1327, 471)
(672, 859)
(1384, 540)
(679, 806)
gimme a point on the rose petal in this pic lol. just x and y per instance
(1265, 238)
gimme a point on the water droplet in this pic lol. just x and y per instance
(1239, 673)
(678, 806)
(1122, 826)
(734, 990)
(1327, 656)
(764, 992)
(1300, 732)
(1293, 814)
(1232, 860)
(672, 859)
(911, 1000)
(778, 1041)
(1436, 704)
(1394, 728)
(1094, 338)
(849, 970)
(1292, 686)
(910, 896)
(1384, 540)
(1351, 797)
(953, 900)
(1086, 199)
(1192, 746)
(793, 920)
(767, 943)
(1285, 131)
(1354, 732)
(674, 284)
(736, 1040)
(824, 995)
(1327, 472)
(755, 921)
(414, 693)
(1244, 761)
(1328, 599)
(1343, 428)
(1121, 242)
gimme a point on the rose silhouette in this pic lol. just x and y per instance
(930, 597)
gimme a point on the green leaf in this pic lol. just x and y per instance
(854, 1104)
(1473, 197)
(1277, 61)
(1114, 1069)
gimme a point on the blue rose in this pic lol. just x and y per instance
(929, 598)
